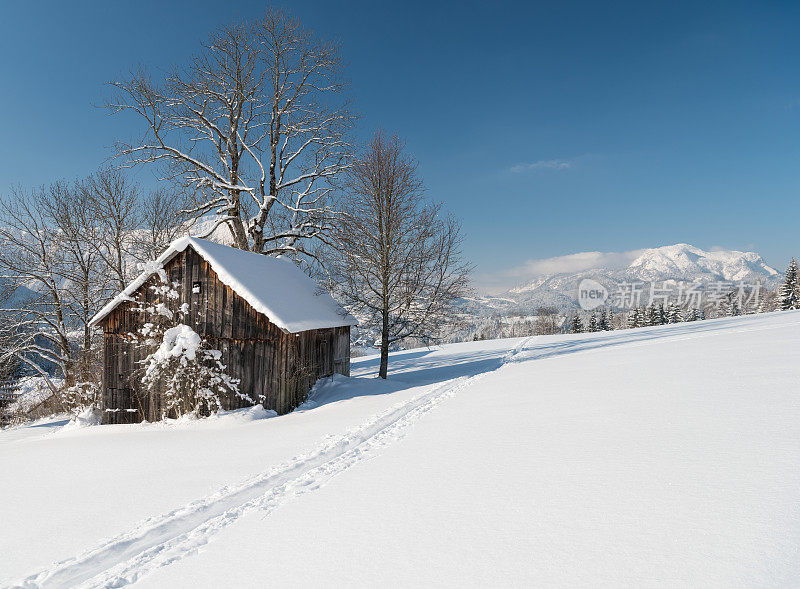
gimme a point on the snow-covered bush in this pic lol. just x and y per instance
(181, 374)
(188, 377)
(80, 397)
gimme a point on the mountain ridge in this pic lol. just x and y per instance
(672, 264)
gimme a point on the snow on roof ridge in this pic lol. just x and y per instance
(288, 297)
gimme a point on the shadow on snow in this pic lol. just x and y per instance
(435, 366)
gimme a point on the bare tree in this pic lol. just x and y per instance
(546, 321)
(33, 259)
(254, 127)
(114, 209)
(67, 209)
(397, 262)
(162, 223)
(55, 262)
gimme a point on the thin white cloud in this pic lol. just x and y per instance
(503, 280)
(542, 165)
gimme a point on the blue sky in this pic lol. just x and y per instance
(548, 127)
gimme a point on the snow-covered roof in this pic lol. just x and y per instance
(273, 286)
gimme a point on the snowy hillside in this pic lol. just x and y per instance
(680, 262)
(657, 456)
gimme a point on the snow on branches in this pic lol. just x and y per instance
(254, 128)
(789, 291)
(180, 374)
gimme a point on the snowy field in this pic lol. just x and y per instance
(665, 456)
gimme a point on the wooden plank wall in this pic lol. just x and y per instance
(275, 368)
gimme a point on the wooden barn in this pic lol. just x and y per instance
(278, 333)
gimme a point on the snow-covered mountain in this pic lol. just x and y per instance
(680, 263)
(686, 262)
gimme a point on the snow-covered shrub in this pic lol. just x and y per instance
(182, 375)
(80, 397)
(188, 377)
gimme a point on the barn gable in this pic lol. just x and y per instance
(276, 366)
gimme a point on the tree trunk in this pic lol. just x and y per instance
(87, 332)
(239, 235)
(384, 346)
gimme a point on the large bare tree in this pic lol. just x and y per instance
(397, 262)
(255, 127)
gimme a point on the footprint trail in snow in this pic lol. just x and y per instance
(163, 539)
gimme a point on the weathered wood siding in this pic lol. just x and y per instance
(275, 368)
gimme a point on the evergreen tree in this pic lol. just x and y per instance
(662, 314)
(674, 313)
(692, 315)
(610, 320)
(722, 309)
(651, 317)
(770, 301)
(577, 325)
(604, 323)
(632, 317)
(592, 323)
(788, 293)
